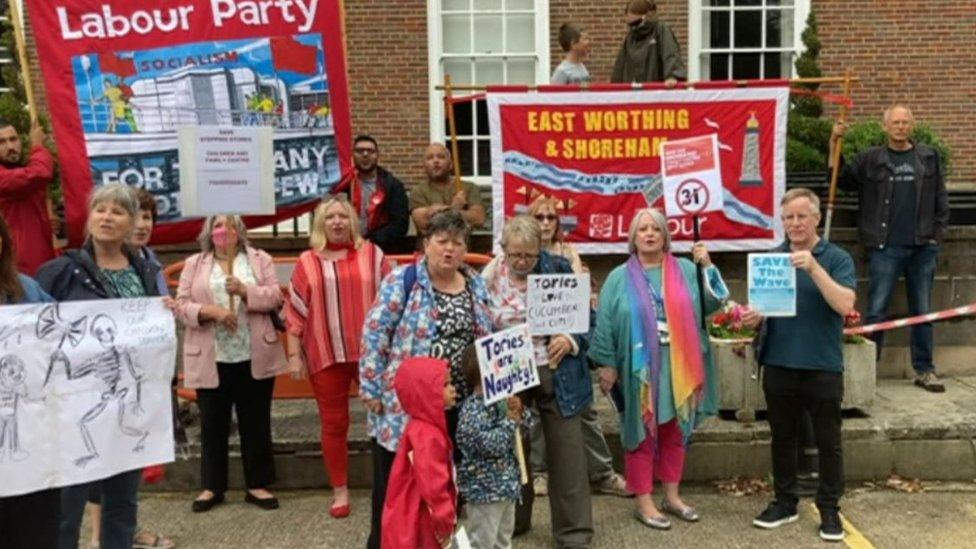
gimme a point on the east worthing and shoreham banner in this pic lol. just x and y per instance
(123, 75)
(597, 154)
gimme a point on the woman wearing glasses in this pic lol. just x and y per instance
(565, 388)
(543, 209)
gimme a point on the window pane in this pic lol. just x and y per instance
(718, 31)
(487, 4)
(748, 2)
(779, 2)
(521, 71)
(520, 4)
(488, 36)
(462, 119)
(455, 5)
(459, 69)
(488, 71)
(773, 68)
(745, 66)
(779, 28)
(484, 157)
(520, 34)
(717, 3)
(748, 29)
(465, 155)
(457, 33)
(718, 66)
(482, 122)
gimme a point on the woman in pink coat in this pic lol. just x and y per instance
(231, 354)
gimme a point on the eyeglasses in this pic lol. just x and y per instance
(364, 152)
(542, 218)
(522, 257)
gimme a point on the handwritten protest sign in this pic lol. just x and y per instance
(84, 391)
(691, 175)
(772, 284)
(507, 365)
(559, 304)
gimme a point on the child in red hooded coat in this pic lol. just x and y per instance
(419, 512)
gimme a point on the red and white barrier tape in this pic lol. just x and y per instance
(902, 322)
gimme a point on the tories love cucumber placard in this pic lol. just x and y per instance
(598, 153)
(123, 76)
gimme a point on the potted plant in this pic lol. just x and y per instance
(735, 362)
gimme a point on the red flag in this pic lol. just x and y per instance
(121, 67)
(290, 55)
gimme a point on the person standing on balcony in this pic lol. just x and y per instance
(650, 52)
(903, 212)
(333, 286)
(378, 197)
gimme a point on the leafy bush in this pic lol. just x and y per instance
(801, 157)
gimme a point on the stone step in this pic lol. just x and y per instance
(907, 431)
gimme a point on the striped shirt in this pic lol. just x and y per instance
(328, 301)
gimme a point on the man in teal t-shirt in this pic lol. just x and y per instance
(803, 365)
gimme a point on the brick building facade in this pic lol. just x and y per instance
(919, 53)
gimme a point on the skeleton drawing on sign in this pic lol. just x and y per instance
(12, 388)
(107, 366)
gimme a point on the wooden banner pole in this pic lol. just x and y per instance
(452, 127)
(20, 41)
(835, 158)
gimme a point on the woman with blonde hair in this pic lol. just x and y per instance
(544, 210)
(231, 355)
(654, 355)
(332, 289)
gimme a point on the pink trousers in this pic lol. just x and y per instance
(642, 466)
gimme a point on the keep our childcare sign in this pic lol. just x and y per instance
(506, 362)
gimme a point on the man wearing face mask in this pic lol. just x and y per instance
(650, 51)
(23, 196)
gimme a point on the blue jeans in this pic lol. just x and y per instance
(917, 264)
(120, 501)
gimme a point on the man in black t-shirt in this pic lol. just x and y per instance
(903, 211)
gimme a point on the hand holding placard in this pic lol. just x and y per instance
(772, 284)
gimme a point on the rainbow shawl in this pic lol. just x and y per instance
(687, 362)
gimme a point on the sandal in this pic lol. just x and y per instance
(149, 540)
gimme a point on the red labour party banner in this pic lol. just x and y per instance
(122, 75)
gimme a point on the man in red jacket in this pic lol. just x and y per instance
(23, 196)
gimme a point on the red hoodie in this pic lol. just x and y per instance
(421, 495)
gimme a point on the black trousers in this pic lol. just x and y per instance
(788, 393)
(31, 521)
(251, 400)
(382, 464)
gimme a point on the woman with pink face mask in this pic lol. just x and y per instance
(231, 354)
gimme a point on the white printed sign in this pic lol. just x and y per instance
(507, 363)
(226, 170)
(772, 284)
(692, 176)
(84, 391)
(558, 304)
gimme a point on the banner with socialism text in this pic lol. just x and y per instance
(123, 75)
(598, 154)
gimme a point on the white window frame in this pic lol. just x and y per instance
(801, 9)
(435, 36)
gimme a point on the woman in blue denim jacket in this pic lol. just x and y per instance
(565, 387)
(435, 307)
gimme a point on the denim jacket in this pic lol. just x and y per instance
(395, 330)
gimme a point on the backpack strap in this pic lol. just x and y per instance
(409, 279)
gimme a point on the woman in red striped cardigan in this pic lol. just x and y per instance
(332, 289)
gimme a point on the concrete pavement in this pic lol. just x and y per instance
(944, 516)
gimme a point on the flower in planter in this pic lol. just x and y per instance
(853, 320)
(727, 323)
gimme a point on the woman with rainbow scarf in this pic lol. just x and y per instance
(654, 360)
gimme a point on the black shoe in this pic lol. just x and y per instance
(831, 528)
(775, 515)
(268, 504)
(204, 505)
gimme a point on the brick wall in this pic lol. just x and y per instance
(919, 53)
(387, 63)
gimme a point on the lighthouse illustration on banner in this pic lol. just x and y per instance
(751, 176)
